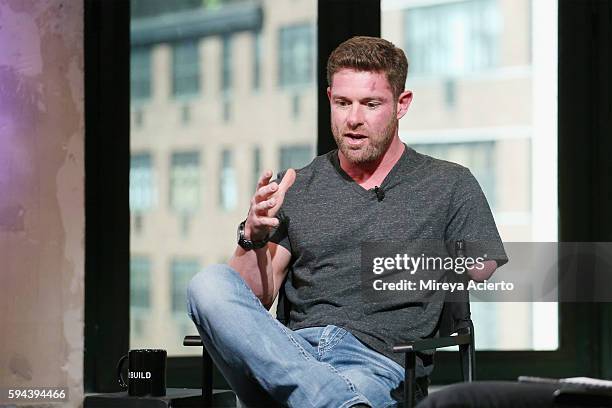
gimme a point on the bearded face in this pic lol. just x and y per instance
(363, 114)
(363, 146)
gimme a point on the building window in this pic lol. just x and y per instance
(226, 63)
(227, 109)
(142, 183)
(140, 290)
(185, 182)
(228, 194)
(295, 106)
(296, 56)
(226, 76)
(450, 92)
(295, 157)
(140, 73)
(256, 166)
(479, 157)
(257, 59)
(182, 271)
(185, 68)
(454, 38)
(138, 117)
(185, 114)
(140, 282)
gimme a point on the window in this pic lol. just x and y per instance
(204, 161)
(296, 55)
(257, 60)
(257, 170)
(467, 59)
(140, 282)
(185, 182)
(142, 185)
(185, 114)
(140, 73)
(295, 106)
(295, 156)
(226, 76)
(138, 117)
(228, 193)
(226, 63)
(140, 295)
(544, 26)
(182, 270)
(185, 68)
(454, 38)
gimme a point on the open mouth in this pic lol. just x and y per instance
(355, 137)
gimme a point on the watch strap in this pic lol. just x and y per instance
(247, 244)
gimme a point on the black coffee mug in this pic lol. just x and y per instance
(146, 372)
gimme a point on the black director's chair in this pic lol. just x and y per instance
(454, 328)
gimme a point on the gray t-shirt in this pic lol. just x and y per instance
(325, 218)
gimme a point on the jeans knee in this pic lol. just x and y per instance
(209, 287)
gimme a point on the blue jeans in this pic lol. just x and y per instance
(267, 364)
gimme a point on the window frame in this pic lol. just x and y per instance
(228, 182)
(192, 74)
(472, 66)
(286, 78)
(142, 179)
(257, 63)
(288, 152)
(143, 76)
(182, 161)
(584, 96)
(180, 265)
(227, 72)
(143, 266)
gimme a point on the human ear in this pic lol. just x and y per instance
(403, 102)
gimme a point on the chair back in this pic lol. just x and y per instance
(456, 316)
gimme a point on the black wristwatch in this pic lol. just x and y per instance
(247, 244)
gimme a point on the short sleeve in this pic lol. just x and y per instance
(280, 235)
(470, 219)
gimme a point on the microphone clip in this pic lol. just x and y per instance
(380, 194)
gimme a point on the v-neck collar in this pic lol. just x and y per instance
(406, 160)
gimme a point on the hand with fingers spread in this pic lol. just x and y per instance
(265, 205)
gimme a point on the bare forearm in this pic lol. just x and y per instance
(255, 267)
(258, 266)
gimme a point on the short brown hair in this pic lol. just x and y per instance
(370, 54)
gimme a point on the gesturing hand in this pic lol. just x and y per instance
(265, 205)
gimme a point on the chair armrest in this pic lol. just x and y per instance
(192, 341)
(431, 344)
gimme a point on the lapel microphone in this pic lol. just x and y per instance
(380, 194)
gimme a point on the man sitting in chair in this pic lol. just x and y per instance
(307, 230)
